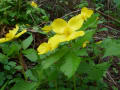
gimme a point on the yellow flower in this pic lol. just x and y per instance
(86, 13)
(68, 31)
(47, 28)
(33, 4)
(12, 35)
(65, 31)
(85, 44)
(52, 44)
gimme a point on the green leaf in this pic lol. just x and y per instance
(12, 64)
(7, 67)
(37, 73)
(71, 64)
(27, 42)
(90, 23)
(30, 75)
(11, 49)
(81, 52)
(97, 72)
(18, 67)
(23, 85)
(30, 54)
(54, 57)
(91, 71)
(87, 37)
(103, 29)
(4, 9)
(2, 78)
(112, 47)
(3, 58)
(85, 66)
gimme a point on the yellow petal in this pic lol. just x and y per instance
(34, 4)
(56, 40)
(90, 12)
(12, 33)
(53, 42)
(58, 25)
(68, 31)
(75, 35)
(43, 48)
(19, 34)
(86, 13)
(2, 40)
(76, 22)
(85, 44)
(47, 28)
(9, 35)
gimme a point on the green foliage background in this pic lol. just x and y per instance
(69, 67)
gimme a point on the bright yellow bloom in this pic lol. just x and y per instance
(52, 44)
(12, 35)
(86, 13)
(85, 44)
(59, 25)
(33, 4)
(65, 31)
(47, 28)
(68, 31)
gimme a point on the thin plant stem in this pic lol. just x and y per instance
(3, 87)
(21, 63)
(74, 82)
(56, 85)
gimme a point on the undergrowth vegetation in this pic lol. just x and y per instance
(59, 45)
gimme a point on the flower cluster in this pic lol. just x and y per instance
(12, 35)
(65, 31)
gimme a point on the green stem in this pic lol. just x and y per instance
(19, 5)
(56, 85)
(3, 87)
(22, 64)
(74, 82)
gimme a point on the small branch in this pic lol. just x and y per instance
(111, 78)
(96, 11)
(71, 13)
(32, 18)
(111, 28)
(107, 16)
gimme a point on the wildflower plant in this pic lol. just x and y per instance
(65, 31)
(72, 32)
(69, 50)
